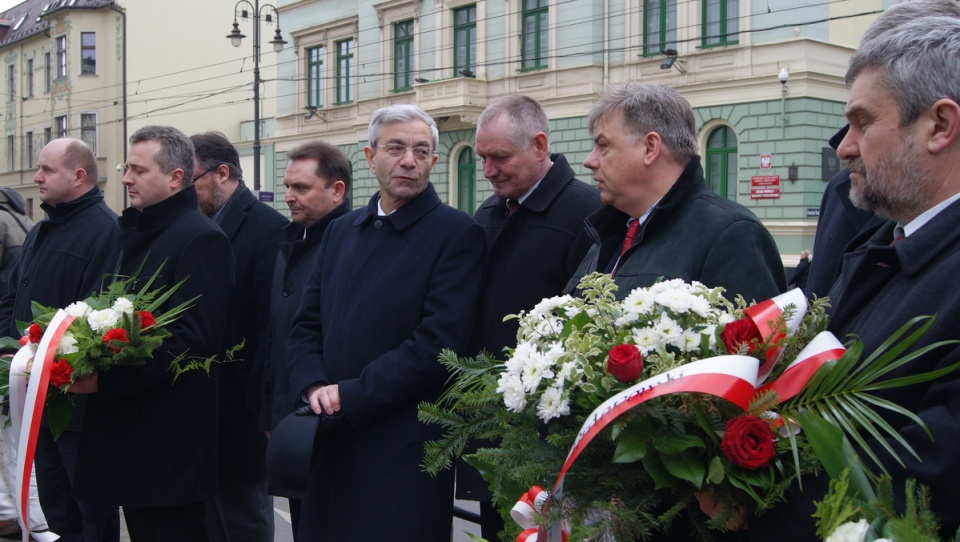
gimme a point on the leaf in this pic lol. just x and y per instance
(58, 412)
(668, 440)
(715, 472)
(686, 465)
(835, 453)
(662, 478)
(631, 447)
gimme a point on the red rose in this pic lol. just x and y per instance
(61, 373)
(740, 332)
(115, 334)
(748, 442)
(146, 319)
(34, 333)
(624, 363)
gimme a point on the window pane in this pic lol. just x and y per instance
(466, 180)
(733, 20)
(711, 27)
(344, 71)
(88, 53)
(464, 39)
(403, 55)
(315, 77)
(88, 130)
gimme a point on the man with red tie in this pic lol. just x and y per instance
(660, 221)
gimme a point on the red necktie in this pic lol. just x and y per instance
(898, 235)
(633, 227)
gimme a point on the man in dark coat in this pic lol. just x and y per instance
(14, 225)
(241, 510)
(149, 444)
(660, 220)
(64, 259)
(318, 181)
(903, 148)
(532, 250)
(395, 283)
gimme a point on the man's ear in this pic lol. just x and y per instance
(651, 144)
(541, 143)
(339, 191)
(176, 179)
(944, 121)
(79, 177)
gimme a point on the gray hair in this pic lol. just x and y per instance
(526, 117)
(400, 113)
(904, 12)
(651, 108)
(176, 151)
(918, 62)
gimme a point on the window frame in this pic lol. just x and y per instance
(471, 49)
(94, 141)
(61, 126)
(664, 30)
(345, 67)
(11, 152)
(540, 14)
(28, 150)
(11, 82)
(28, 78)
(467, 180)
(724, 153)
(47, 71)
(315, 84)
(403, 49)
(84, 48)
(60, 48)
(723, 34)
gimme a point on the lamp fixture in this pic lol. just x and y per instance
(421, 80)
(311, 111)
(467, 72)
(671, 59)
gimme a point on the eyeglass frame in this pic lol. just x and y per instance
(214, 168)
(413, 150)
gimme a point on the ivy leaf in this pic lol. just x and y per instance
(715, 473)
(668, 440)
(686, 465)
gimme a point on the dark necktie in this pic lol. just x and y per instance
(898, 235)
(512, 205)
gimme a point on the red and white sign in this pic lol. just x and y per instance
(765, 187)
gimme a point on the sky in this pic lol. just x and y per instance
(7, 4)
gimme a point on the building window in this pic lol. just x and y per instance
(28, 83)
(60, 126)
(721, 22)
(344, 71)
(464, 41)
(315, 77)
(88, 130)
(11, 82)
(61, 46)
(47, 72)
(533, 24)
(403, 55)
(88, 53)
(11, 150)
(659, 26)
(28, 158)
(48, 134)
(722, 162)
(466, 180)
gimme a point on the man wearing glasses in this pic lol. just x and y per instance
(241, 510)
(395, 282)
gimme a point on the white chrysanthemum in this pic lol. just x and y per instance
(549, 327)
(512, 391)
(726, 318)
(639, 301)
(676, 300)
(568, 372)
(700, 306)
(123, 306)
(668, 328)
(689, 341)
(68, 345)
(102, 320)
(553, 353)
(553, 404)
(533, 372)
(667, 285)
(850, 532)
(78, 309)
(548, 305)
(522, 355)
(572, 310)
(646, 339)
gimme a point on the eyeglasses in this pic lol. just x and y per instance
(205, 172)
(397, 150)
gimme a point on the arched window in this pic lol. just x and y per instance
(466, 181)
(721, 162)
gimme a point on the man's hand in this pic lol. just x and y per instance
(710, 506)
(84, 384)
(324, 398)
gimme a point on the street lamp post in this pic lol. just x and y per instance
(235, 38)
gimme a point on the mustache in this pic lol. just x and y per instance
(856, 166)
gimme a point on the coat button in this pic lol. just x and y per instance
(378, 224)
(286, 292)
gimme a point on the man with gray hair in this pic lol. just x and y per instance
(903, 148)
(660, 220)
(149, 443)
(394, 283)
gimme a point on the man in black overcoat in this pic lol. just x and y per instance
(241, 510)
(149, 443)
(317, 179)
(535, 240)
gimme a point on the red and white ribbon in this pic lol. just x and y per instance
(31, 408)
(823, 348)
(767, 314)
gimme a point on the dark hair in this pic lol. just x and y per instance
(176, 151)
(332, 164)
(213, 149)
